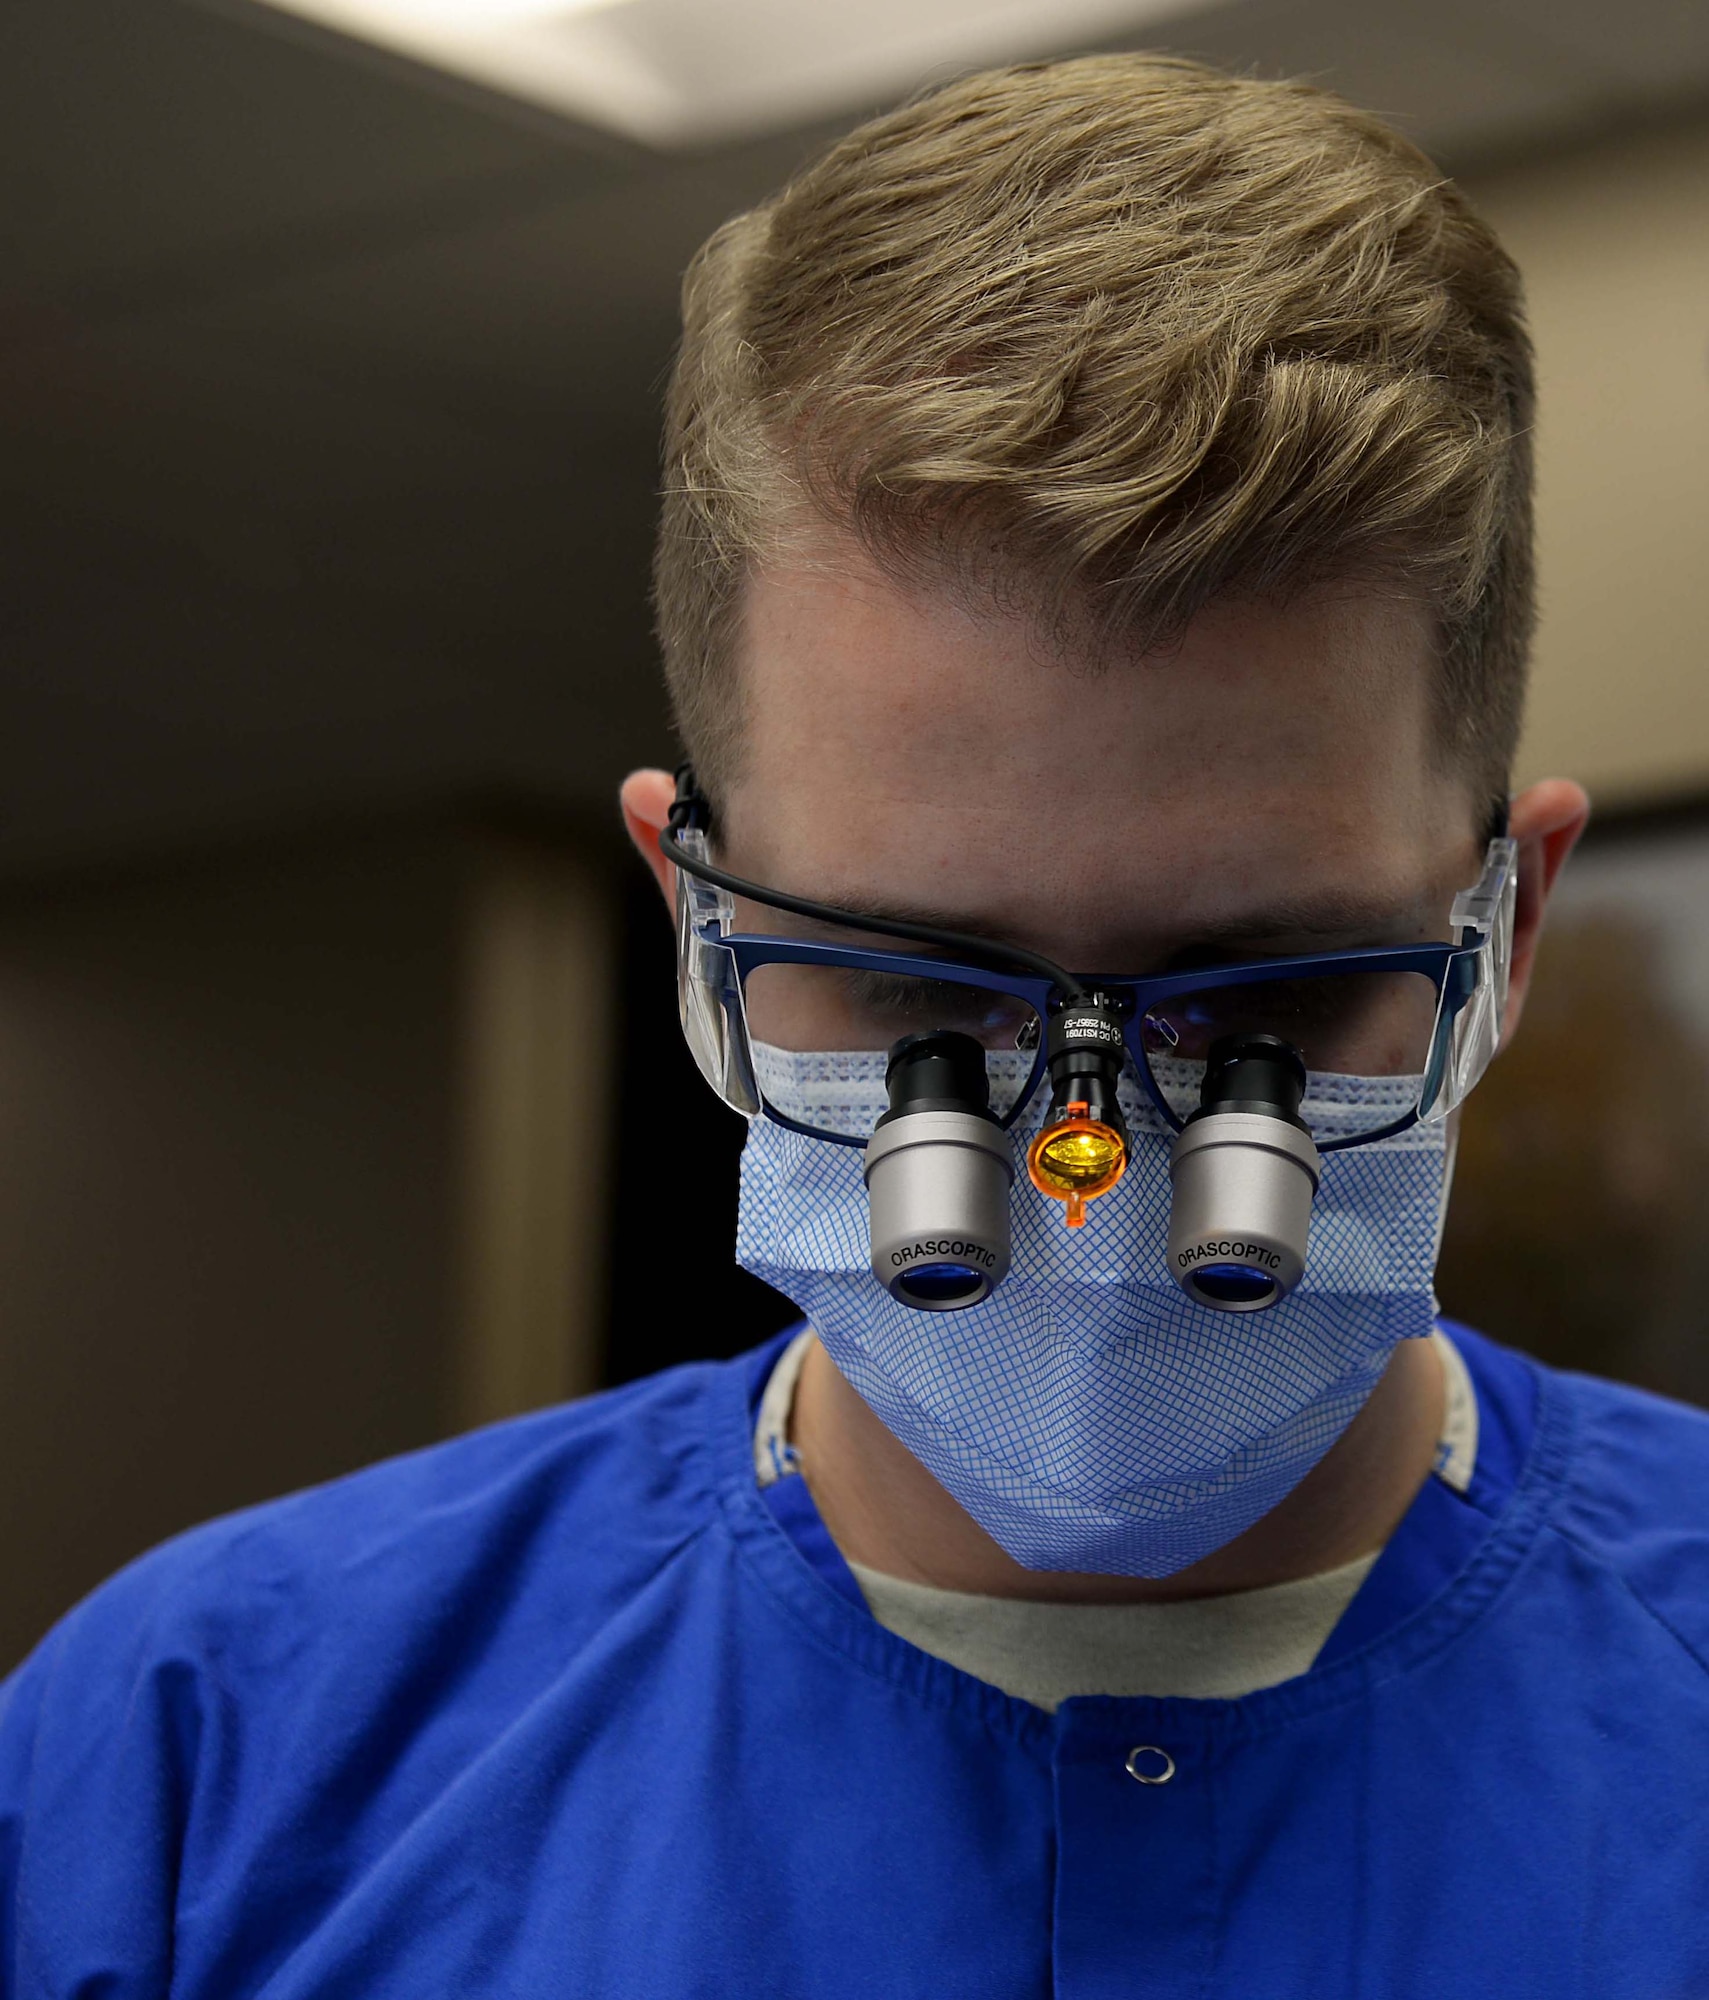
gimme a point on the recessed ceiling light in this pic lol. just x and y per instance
(397, 18)
(687, 72)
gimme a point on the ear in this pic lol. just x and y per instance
(646, 797)
(1546, 820)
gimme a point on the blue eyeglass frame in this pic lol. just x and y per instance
(1451, 969)
(1482, 915)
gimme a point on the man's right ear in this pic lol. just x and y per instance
(646, 798)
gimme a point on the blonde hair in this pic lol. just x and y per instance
(1109, 339)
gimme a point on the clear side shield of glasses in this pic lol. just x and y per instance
(1468, 1029)
(709, 999)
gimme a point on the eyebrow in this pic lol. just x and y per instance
(869, 911)
(1324, 916)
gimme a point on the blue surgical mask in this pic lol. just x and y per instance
(1089, 1415)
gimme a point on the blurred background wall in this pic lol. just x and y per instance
(341, 1103)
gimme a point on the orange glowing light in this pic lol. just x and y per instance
(1075, 1160)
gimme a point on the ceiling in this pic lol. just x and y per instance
(328, 390)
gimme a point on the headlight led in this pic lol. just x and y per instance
(1082, 1151)
(1076, 1160)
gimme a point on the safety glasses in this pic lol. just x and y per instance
(800, 1027)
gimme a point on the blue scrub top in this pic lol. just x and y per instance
(565, 1707)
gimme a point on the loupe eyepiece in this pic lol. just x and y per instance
(1244, 1171)
(938, 1173)
(1254, 1072)
(1082, 1150)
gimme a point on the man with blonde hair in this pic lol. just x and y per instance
(1094, 583)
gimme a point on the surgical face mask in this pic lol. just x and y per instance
(1089, 1414)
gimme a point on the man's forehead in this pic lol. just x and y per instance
(905, 737)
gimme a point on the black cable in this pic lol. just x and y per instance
(690, 809)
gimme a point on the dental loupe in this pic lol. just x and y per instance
(939, 1167)
(1243, 1173)
(938, 1174)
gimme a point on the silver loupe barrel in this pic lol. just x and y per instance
(938, 1173)
(1244, 1172)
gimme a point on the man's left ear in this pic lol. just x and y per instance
(645, 801)
(1546, 819)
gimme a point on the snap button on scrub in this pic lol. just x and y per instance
(1150, 1765)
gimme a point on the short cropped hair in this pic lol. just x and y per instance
(1110, 339)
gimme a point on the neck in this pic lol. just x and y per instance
(885, 1511)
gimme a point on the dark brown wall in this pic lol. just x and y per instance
(225, 1099)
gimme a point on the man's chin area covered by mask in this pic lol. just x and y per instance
(1090, 1415)
(936, 1517)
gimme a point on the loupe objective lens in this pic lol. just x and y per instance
(942, 1285)
(1232, 1285)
